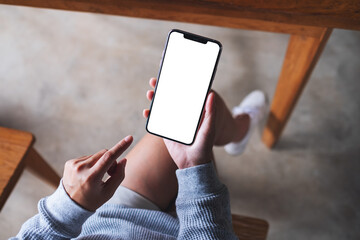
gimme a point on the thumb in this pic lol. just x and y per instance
(116, 177)
(207, 126)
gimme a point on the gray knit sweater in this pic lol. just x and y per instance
(202, 208)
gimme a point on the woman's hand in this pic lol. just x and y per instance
(82, 178)
(200, 151)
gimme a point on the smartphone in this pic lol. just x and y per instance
(186, 73)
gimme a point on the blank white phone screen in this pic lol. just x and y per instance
(183, 82)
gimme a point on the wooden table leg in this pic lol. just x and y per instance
(301, 56)
(36, 164)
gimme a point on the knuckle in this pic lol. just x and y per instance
(79, 167)
(107, 156)
(122, 144)
(69, 163)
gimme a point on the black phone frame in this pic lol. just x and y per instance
(197, 38)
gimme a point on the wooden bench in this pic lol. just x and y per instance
(16, 153)
(250, 228)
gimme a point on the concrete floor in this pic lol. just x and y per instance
(78, 82)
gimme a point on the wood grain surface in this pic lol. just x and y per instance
(301, 57)
(326, 13)
(14, 146)
(248, 228)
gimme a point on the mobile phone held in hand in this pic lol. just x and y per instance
(186, 73)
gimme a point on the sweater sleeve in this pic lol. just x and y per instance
(59, 217)
(203, 204)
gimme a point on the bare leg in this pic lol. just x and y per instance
(228, 128)
(150, 170)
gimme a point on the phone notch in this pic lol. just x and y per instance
(196, 38)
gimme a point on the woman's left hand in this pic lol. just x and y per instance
(200, 152)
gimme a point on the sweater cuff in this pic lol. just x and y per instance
(198, 181)
(64, 211)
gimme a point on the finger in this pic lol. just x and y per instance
(146, 113)
(94, 158)
(150, 94)
(210, 110)
(152, 82)
(76, 160)
(208, 123)
(206, 110)
(112, 169)
(105, 162)
(116, 177)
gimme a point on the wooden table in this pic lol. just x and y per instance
(309, 22)
(16, 153)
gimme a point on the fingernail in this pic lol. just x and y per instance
(128, 138)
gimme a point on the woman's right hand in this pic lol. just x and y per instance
(83, 176)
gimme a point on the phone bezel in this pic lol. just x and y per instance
(193, 37)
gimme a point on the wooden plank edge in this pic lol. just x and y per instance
(174, 15)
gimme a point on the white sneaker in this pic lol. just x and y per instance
(255, 104)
